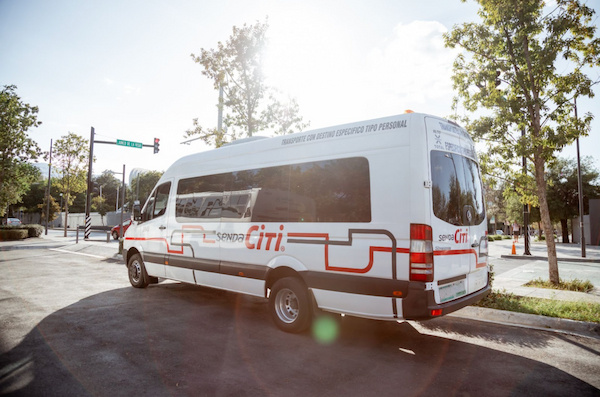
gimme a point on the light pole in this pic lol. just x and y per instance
(122, 200)
(580, 190)
(525, 207)
(48, 196)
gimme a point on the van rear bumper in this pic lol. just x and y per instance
(419, 303)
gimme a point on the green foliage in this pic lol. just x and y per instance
(99, 205)
(509, 67)
(11, 233)
(580, 311)
(20, 232)
(54, 209)
(16, 148)
(563, 196)
(248, 105)
(576, 285)
(110, 184)
(36, 195)
(142, 185)
(34, 230)
(71, 154)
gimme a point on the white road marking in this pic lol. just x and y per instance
(76, 253)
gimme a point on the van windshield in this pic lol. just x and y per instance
(457, 189)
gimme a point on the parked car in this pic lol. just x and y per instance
(115, 231)
(12, 221)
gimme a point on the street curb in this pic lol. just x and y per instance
(542, 258)
(560, 325)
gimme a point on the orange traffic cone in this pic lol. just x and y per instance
(514, 250)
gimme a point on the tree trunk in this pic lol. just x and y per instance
(565, 230)
(545, 218)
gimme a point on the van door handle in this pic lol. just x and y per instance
(162, 227)
(475, 245)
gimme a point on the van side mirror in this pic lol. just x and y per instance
(137, 212)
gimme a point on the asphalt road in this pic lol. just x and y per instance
(70, 325)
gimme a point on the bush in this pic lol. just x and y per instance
(20, 232)
(35, 230)
(12, 233)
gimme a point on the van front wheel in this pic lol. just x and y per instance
(290, 305)
(137, 272)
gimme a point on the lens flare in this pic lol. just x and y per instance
(325, 330)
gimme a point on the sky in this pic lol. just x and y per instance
(125, 67)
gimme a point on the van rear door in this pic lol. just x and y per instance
(458, 216)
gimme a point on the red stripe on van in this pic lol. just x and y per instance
(169, 250)
(460, 252)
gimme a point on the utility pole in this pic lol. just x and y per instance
(526, 208)
(48, 195)
(88, 204)
(88, 200)
(580, 191)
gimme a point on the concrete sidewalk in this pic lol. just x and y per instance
(570, 266)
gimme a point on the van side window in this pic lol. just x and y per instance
(200, 197)
(334, 190)
(157, 203)
(319, 191)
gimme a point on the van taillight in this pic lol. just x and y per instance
(421, 253)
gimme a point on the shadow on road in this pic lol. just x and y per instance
(180, 339)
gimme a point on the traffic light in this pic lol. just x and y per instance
(156, 142)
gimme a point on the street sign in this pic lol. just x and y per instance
(122, 142)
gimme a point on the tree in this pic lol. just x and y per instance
(526, 69)
(248, 103)
(16, 148)
(284, 117)
(110, 184)
(563, 194)
(71, 153)
(142, 185)
(54, 208)
(99, 205)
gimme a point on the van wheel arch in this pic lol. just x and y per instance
(273, 275)
(130, 253)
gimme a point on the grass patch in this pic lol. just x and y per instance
(570, 285)
(580, 311)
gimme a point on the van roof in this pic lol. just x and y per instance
(258, 144)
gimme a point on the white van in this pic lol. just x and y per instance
(382, 219)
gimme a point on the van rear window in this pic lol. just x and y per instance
(320, 191)
(457, 189)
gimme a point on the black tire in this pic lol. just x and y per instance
(137, 272)
(290, 305)
(115, 235)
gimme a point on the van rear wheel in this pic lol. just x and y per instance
(137, 272)
(290, 305)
